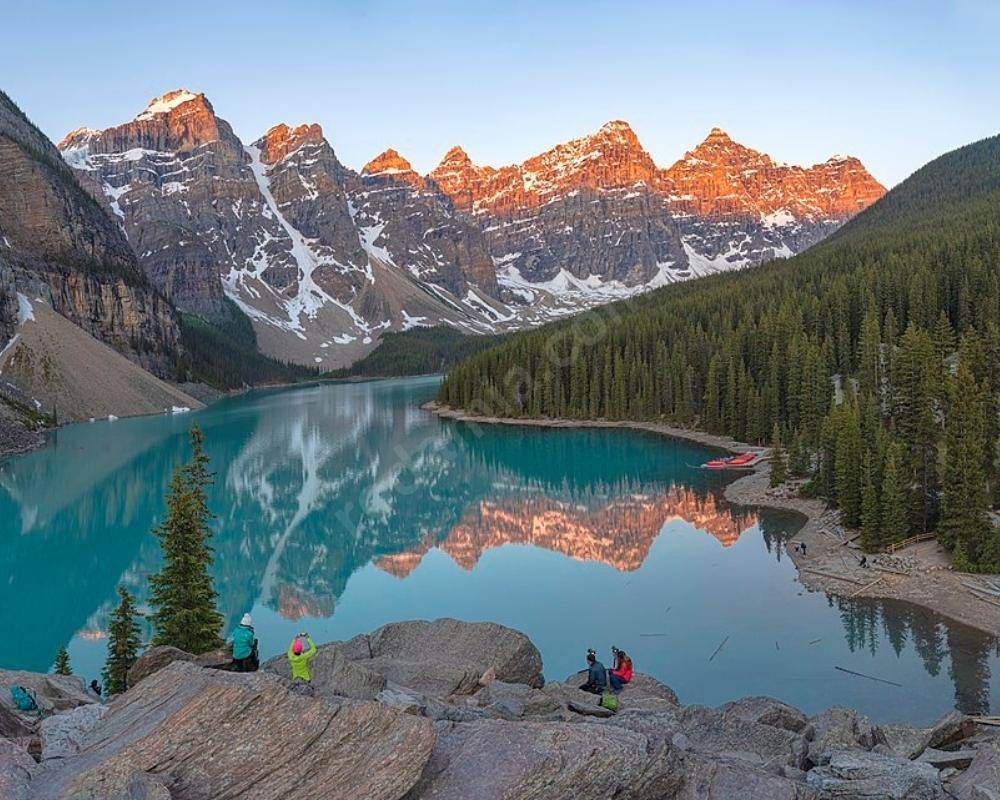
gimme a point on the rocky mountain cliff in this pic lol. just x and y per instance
(324, 259)
(57, 245)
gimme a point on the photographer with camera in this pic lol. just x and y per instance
(299, 656)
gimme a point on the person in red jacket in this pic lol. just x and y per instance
(622, 673)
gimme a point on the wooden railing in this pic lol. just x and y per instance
(920, 537)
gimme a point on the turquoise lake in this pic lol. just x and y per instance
(344, 506)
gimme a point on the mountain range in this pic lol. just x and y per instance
(323, 259)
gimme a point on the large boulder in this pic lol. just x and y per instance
(62, 734)
(16, 769)
(859, 774)
(903, 741)
(333, 675)
(950, 729)
(446, 657)
(733, 779)
(497, 760)
(712, 731)
(13, 723)
(840, 728)
(515, 700)
(156, 658)
(981, 781)
(767, 711)
(211, 734)
(53, 693)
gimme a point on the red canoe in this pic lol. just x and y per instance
(736, 461)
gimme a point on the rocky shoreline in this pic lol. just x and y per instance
(920, 575)
(450, 710)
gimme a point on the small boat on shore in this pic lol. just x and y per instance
(742, 461)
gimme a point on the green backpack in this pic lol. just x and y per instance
(609, 701)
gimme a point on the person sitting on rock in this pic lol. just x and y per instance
(597, 675)
(299, 657)
(245, 646)
(622, 673)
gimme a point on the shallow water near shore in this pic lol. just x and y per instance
(344, 506)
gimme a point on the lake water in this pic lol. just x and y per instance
(342, 507)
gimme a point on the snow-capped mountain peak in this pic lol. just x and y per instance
(166, 103)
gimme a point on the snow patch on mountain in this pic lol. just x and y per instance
(166, 103)
(309, 297)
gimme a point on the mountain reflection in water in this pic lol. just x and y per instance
(618, 533)
(341, 507)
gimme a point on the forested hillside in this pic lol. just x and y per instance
(419, 351)
(872, 360)
(225, 355)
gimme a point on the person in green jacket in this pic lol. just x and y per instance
(245, 646)
(299, 657)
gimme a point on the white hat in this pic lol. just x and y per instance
(247, 620)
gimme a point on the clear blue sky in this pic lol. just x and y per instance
(895, 83)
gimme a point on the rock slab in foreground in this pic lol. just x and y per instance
(218, 734)
(497, 760)
(858, 774)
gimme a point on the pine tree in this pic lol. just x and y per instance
(61, 666)
(798, 457)
(964, 515)
(916, 379)
(870, 356)
(870, 528)
(779, 471)
(183, 595)
(894, 512)
(123, 644)
(848, 468)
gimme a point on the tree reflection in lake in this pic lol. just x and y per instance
(868, 620)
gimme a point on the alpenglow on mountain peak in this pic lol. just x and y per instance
(166, 103)
(323, 259)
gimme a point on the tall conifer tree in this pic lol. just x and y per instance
(123, 644)
(894, 507)
(183, 595)
(871, 538)
(965, 523)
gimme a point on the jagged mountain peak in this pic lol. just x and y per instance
(390, 166)
(615, 139)
(717, 134)
(454, 157)
(166, 103)
(77, 138)
(281, 140)
(719, 147)
(177, 121)
(618, 129)
(388, 162)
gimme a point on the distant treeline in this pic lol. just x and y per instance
(872, 361)
(418, 351)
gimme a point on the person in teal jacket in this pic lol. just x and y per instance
(245, 646)
(300, 656)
